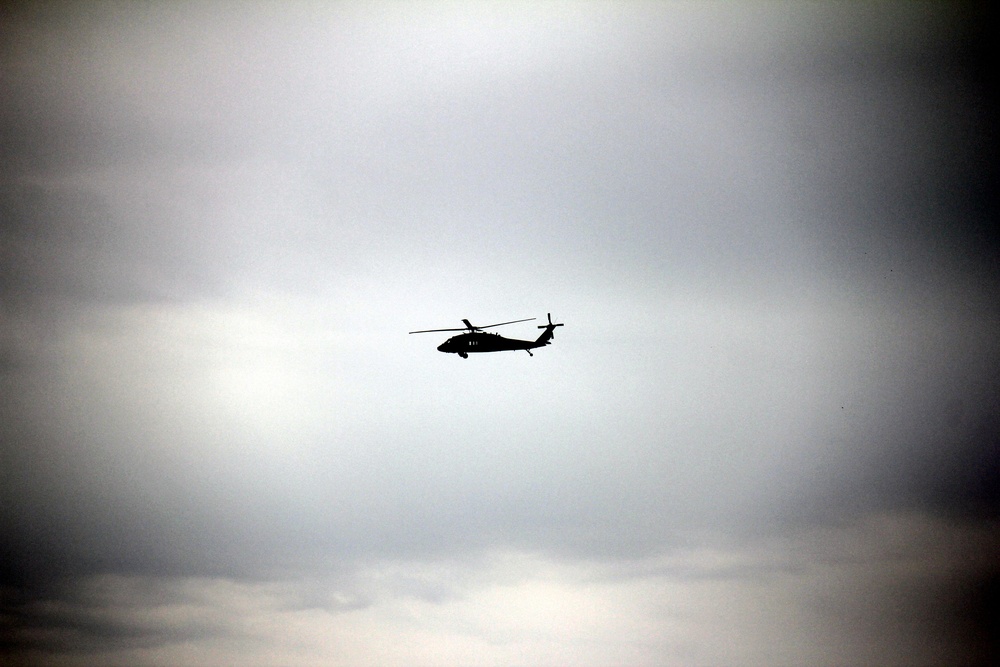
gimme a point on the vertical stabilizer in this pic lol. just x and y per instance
(547, 335)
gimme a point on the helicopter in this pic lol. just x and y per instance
(476, 340)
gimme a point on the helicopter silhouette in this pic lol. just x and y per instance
(476, 340)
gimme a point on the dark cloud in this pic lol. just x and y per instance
(98, 615)
(906, 130)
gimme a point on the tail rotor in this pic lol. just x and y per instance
(550, 326)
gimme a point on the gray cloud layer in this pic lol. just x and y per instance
(768, 231)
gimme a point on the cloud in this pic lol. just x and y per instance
(210, 437)
(761, 231)
(887, 589)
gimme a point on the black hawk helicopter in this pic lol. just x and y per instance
(476, 340)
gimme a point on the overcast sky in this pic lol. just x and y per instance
(766, 434)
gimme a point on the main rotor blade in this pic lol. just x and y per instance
(503, 323)
(472, 327)
(434, 330)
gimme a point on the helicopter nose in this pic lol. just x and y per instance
(441, 347)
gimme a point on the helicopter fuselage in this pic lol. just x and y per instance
(480, 341)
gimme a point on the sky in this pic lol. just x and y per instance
(768, 433)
